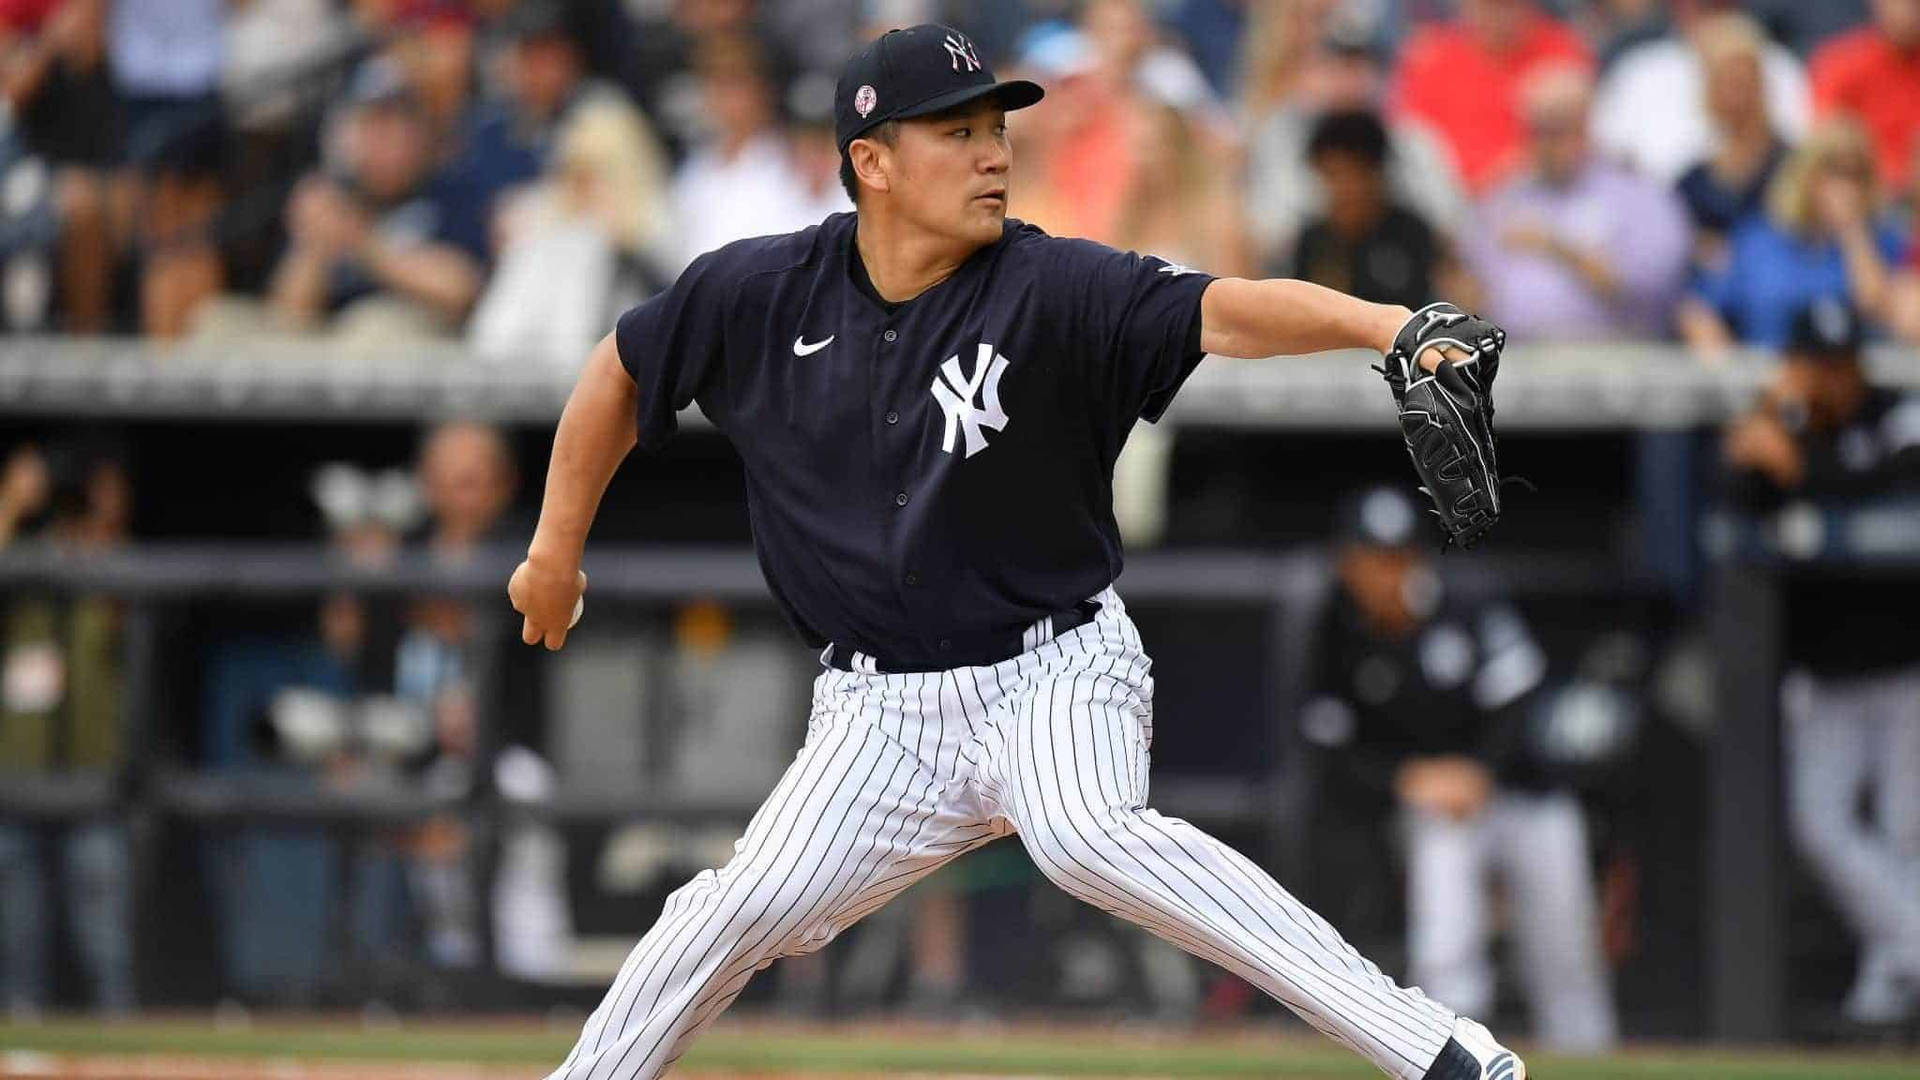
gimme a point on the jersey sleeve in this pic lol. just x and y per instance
(671, 345)
(1139, 317)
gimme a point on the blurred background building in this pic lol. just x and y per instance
(292, 291)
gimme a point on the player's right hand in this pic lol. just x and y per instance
(549, 596)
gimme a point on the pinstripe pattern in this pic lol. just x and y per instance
(901, 773)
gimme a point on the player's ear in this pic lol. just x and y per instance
(871, 162)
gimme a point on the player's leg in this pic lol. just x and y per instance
(1888, 987)
(1448, 949)
(23, 923)
(856, 818)
(1830, 756)
(1542, 851)
(1068, 766)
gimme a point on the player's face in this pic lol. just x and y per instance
(949, 172)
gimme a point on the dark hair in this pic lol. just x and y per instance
(1349, 131)
(885, 131)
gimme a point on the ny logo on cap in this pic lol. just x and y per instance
(961, 51)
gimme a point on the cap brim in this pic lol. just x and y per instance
(1012, 94)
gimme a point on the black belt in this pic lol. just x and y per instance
(978, 651)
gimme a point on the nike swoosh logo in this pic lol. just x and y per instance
(802, 348)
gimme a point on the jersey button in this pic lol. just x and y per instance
(913, 579)
(892, 417)
(945, 644)
(889, 336)
(900, 499)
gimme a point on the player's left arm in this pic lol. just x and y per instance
(1283, 317)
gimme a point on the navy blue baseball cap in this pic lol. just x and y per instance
(1829, 327)
(918, 71)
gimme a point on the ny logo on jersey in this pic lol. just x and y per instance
(961, 52)
(955, 393)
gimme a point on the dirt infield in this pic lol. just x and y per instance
(495, 1048)
(25, 1065)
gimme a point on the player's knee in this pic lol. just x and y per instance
(1075, 850)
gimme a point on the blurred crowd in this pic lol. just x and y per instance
(516, 171)
(512, 173)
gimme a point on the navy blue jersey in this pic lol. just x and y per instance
(924, 479)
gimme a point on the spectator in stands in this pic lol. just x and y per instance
(166, 58)
(61, 713)
(1463, 78)
(1180, 204)
(1577, 248)
(591, 237)
(1112, 64)
(500, 145)
(740, 180)
(284, 60)
(1073, 142)
(1651, 111)
(816, 162)
(1129, 48)
(1725, 189)
(53, 76)
(1421, 701)
(1851, 700)
(1344, 74)
(467, 478)
(1822, 236)
(431, 44)
(304, 710)
(374, 254)
(661, 62)
(1873, 74)
(1364, 243)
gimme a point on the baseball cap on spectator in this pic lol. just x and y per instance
(1827, 329)
(918, 71)
(1349, 38)
(1376, 517)
(1056, 51)
(379, 83)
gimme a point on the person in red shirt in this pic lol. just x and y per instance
(1462, 78)
(1874, 73)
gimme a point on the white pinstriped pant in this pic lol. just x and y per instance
(901, 773)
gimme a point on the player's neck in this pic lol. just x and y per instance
(901, 261)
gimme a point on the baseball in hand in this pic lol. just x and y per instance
(579, 606)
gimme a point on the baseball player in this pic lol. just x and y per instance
(928, 398)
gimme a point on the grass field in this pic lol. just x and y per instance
(195, 1049)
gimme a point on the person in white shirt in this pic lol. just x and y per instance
(741, 180)
(1650, 113)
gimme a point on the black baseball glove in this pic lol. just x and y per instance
(1446, 416)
